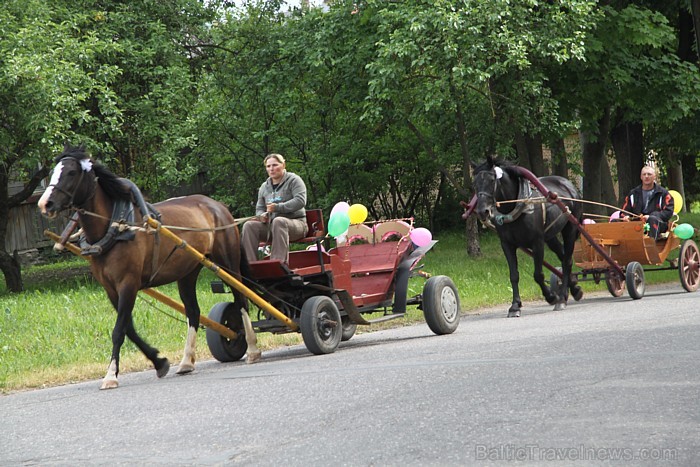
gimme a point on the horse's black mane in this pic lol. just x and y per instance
(112, 185)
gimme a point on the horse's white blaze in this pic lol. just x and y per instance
(55, 177)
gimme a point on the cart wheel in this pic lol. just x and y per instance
(441, 305)
(349, 329)
(321, 326)
(689, 266)
(634, 277)
(223, 349)
(615, 283)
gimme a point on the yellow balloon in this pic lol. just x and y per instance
(677, 201)
(357, 213)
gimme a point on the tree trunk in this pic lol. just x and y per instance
(628, 143)
(560, 164)
(695, 8)
(471, 227)
(534, 151)
(675, 177)
(593, 145)
(607, 187)
(12, 270)
(8, 264)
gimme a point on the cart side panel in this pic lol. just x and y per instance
(372, 270)
(624, 241)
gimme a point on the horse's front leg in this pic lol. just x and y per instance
(511, 254)
(538, 258)
(123, 302)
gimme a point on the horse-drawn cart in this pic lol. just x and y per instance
(615, 251)
(324, 294)
(634, 252)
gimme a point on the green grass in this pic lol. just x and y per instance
(59, 329)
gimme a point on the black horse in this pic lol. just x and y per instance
(529, 225)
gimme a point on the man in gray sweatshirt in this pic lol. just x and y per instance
(280, 212)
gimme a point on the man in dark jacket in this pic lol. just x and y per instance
(651, 202)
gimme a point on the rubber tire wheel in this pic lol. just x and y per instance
(320, 335)
(615, 284)
(634, 277)
(349, 329)
(441, 305)
(223, 349)
(689, 266)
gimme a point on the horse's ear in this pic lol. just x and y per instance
(490, 160)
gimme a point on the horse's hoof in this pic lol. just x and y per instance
(162, 367)
(254, 357)
(560, 306)
(514, 314)
(109, 384)
(185, 368)
(577, 294)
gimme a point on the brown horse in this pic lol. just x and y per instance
(148, 259)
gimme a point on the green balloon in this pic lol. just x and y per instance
(338, 223)
(684, 231)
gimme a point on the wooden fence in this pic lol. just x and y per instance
(26, 225)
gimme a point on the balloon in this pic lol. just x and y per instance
(421, 236)
(615, 215)
(340, 207)
(357, 213)
(338, 223)
(684, 231)
(588, 221)
(677, 201)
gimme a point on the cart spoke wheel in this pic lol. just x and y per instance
(441, 305)
(321, 326)
(634, 277)
(689, 266)
(615, 283)
(221, 348)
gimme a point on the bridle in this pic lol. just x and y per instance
(71, 196)
(492, 195)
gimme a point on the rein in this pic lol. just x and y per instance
(122, 226)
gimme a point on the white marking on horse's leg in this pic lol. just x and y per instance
(254, 355)
(187, 363)
(110, 379)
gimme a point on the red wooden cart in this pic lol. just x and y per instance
(325, 295)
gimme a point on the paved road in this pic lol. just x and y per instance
(605, 379)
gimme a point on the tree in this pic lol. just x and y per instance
(47, 79)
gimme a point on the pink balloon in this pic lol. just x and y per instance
(421, 236)
(615, 215)
(342, 206)
(588, 221)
